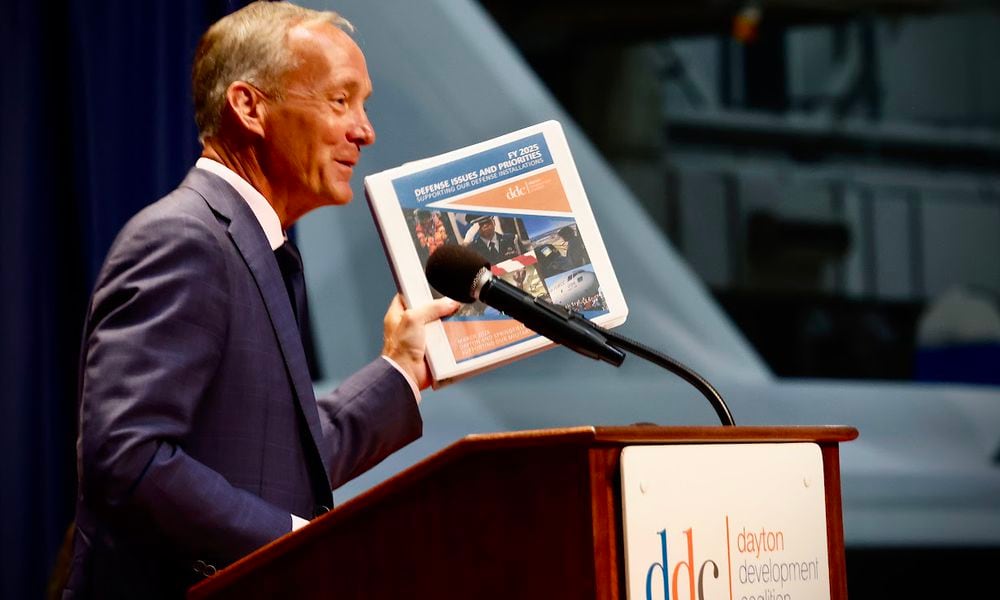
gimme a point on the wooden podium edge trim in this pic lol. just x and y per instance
(648, 434)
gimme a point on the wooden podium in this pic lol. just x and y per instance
(533, 514)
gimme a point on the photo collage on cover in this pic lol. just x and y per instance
(543, 256)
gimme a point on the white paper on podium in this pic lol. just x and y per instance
(725, 521)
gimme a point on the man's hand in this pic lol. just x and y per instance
(403, 332)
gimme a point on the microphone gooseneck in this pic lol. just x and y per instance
(465, 276)
(687, 374)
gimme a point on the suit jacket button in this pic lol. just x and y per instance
(320, 509)
(209, 570)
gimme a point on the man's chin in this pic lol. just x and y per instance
(334, 197)
(339, 195)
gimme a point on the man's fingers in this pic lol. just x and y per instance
(404, 334)
(394, 312)
(397, 304)
(434, 310)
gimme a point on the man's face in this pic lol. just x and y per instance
(315, 130)
(487, 228)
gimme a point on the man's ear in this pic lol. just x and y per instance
(247, 106)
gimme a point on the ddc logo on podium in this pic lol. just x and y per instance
(672, 579)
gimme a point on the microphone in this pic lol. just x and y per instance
(463, 275)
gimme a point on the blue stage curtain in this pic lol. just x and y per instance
(95, 123)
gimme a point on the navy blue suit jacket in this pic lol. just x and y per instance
(199, 429)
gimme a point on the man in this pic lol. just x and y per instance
(200, 435)
(494, 247)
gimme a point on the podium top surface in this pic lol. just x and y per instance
(656, 434)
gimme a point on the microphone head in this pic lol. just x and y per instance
(452, 271)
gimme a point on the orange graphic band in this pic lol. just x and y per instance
(538, 191)
(472, 338)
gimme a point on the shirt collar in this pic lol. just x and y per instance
(261, 208)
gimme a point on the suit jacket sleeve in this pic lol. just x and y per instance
(155, 333)
(370, 415)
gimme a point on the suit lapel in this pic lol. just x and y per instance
(249, 239)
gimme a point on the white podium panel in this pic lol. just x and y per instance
(725, 522)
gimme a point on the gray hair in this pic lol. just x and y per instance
(247, 45)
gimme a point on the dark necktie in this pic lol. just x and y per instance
(290, 263)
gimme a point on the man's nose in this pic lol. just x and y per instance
(363, 133)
